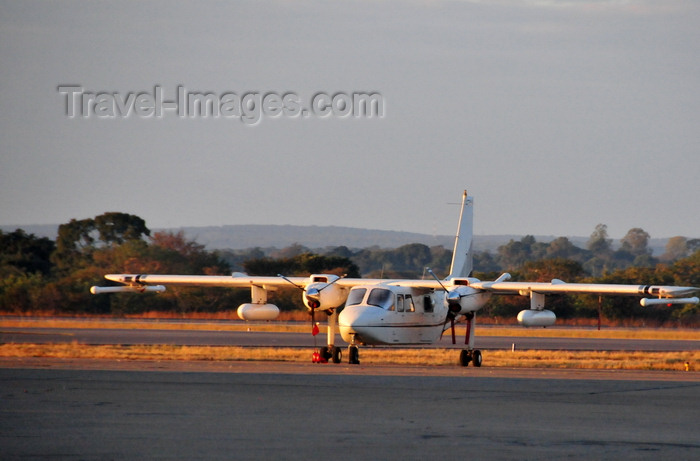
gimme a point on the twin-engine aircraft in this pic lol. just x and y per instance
(400, 312)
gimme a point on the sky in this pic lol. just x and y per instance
(555, 115)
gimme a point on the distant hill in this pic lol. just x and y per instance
(266, 236)
(237, 237)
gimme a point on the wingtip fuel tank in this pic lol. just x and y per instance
(128, 289)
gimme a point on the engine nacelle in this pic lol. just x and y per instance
(536, 318)
(322, 294)
(252, 311)
(463, 299)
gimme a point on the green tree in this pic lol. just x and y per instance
(78, 239)
(627, 307)
(544, 270)
(602, 258)
(636, 242)
(116, 228)
(302, 265)
(599, 243)
(562, 248)
(514, 254)
(20, 291)
(25, 253)
(484, 262)
(676, 248)
(74, 243)
(686, 271)
(693, 245)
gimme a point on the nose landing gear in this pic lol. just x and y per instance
(353, 355)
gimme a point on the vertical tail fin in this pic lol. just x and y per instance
(462, 254)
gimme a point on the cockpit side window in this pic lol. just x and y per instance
(381, 297)
(356, 296)
(399, 303)
(427, 303)
(408, 304)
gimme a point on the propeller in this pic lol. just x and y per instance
(313, 303)
(451, 296)
(313, 298)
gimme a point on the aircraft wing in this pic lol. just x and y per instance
(315, 284)
(244, 281)
(662, 293)
(139, 283)
(231, 281)
(321, 291)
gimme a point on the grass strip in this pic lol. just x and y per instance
(426, 357)
(552, 332)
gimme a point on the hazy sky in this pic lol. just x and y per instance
(556, 116)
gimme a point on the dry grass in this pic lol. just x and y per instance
(430, 357)
(281, 326)
(299, 315)
(605, 333)
(153, 325)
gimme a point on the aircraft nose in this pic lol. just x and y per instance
(355, 321)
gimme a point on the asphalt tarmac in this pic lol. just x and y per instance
(100, 409)
(277, 339)
(310, 411)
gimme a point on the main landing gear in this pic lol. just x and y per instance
(326, 353)
(329, 352)
(470, 355)
(335, 355)
(467, 356)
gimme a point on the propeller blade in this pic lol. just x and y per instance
(292, 283)
(331, 283)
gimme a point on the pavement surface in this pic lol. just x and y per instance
(100, 409)
(279, 339)
(52, 410)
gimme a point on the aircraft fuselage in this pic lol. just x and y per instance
(385, 314)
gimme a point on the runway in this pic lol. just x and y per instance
(101, 409)
(119, 414)
(276, 339)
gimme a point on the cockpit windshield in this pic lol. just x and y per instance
(356, 296)
(381, 297)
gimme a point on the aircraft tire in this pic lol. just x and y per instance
(353, 355)
(465, 357)
(476, 358)
(337, 354)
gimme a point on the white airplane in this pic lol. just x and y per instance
(400, 312)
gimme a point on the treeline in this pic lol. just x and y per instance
(38, 274)
(42, 274)
(409, 261)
